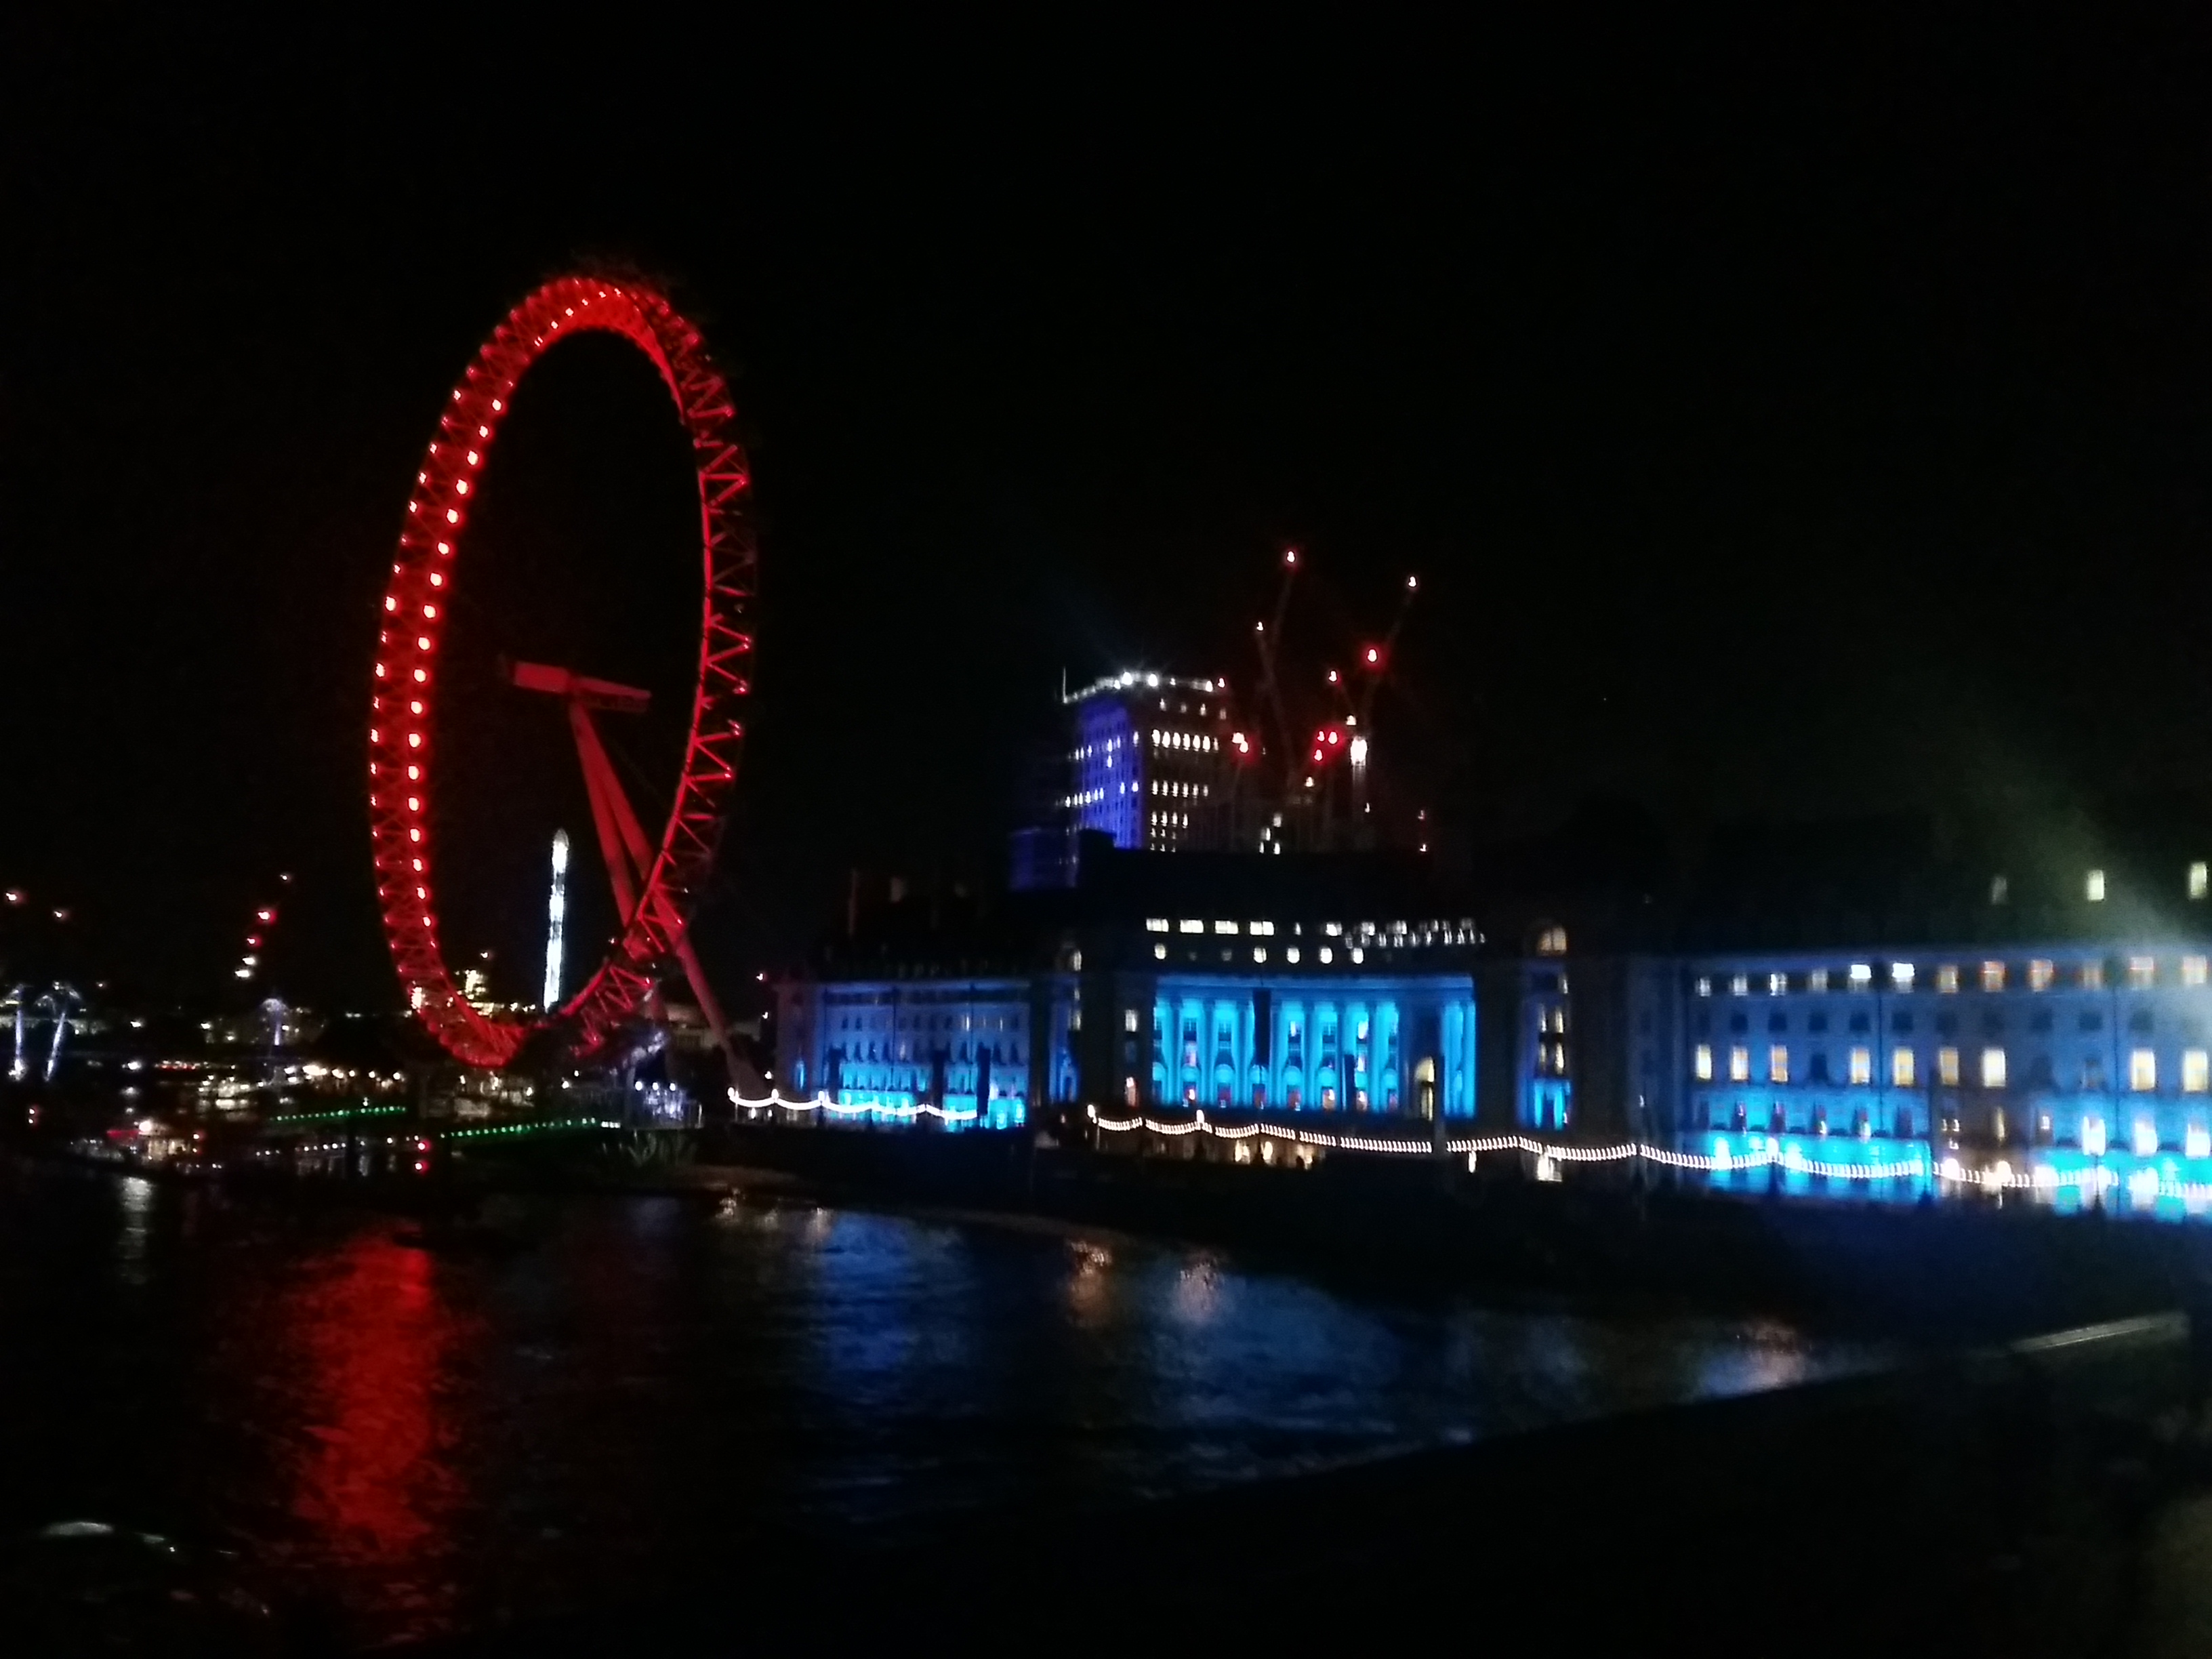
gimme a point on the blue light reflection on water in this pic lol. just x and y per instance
(437, 1434)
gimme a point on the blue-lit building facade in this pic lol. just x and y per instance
(1883, 1025)
(1186, 982)
(1909, 1025)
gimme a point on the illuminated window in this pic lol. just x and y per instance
(1552, 942)
(2039, 975)
(2146, 1137)
(2192, 970)
(1193, 926)
(1947, 1067)
(1778, 1063)
(1993, 1068)
(1947, 978)
(2093, 975)
(1993, 977)
(2143, 972)
(2196, 1072)
(2093, 1136)
(1817, 980)
(2142, 1070)
(1157, 925)
(1740, 986)
(1862, 1066)
(1739, 1065)
(1900, 975)
(1861, 975)
(1701, 1063)
(2000, 890)
(1900, 1069)
(1225, 926)
(1704, 986)
(2093, 887)
(1129, 1019)
(1776, 984)
(2200, 879)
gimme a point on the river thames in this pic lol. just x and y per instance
(590, 1396)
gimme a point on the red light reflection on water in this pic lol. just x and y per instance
(371, 1481)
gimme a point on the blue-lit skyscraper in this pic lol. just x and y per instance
(1152, 761)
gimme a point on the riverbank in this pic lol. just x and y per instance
(1941, 1274)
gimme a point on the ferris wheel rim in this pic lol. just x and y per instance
(404, 684)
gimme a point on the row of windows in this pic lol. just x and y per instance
(2197, 881)
(1372, 933)
(1326, 955)
(1199, 741)
(2141, 974)
(1947, 1024)
(928, 1022)
(1903, 1068)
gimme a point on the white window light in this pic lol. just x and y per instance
(1740, 1064)
(2146, 1137)
(1861, 975)
(1739, 985)
(2200, 879)
(1778, 984)
(1704, 985)
(2093, 887)
(1900, 975)
(1189, 927)
(1225, 926)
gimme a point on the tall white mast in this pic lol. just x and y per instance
(557, 909)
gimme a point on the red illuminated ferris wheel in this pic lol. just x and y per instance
(668, 872)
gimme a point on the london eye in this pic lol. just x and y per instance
(657, 871)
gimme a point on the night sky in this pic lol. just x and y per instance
(1785, 425)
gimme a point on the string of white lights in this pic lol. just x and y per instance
(775, 1101)
(1767, 1153)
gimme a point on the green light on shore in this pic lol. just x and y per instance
(505, 1129)
(340, 1112)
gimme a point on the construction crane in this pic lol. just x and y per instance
(1271, 688)
(1374, 666)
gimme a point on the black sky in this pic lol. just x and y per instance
(1797, 423)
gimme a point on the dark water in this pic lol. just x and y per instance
(439, 1437)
